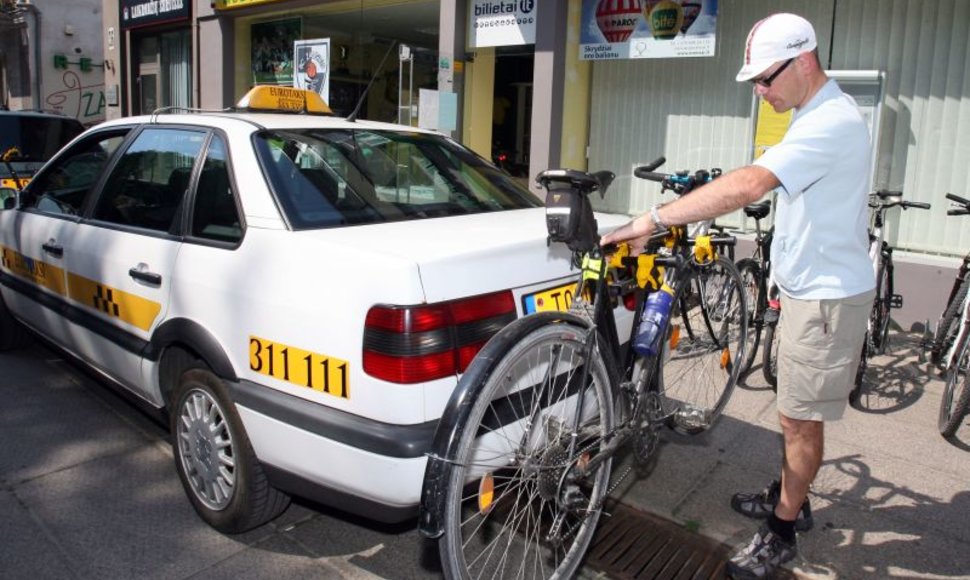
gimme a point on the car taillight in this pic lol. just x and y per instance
(413, 344)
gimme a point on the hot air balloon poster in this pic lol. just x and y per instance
(621, 29)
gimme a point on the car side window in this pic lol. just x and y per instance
(215, 215)
(63, 186)
(146, 186)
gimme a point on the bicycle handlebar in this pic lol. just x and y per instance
(646, 171)
(965, 210)
(680, 182)
(888, 199)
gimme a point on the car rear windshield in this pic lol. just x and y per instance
(37, 137)
(329, 178)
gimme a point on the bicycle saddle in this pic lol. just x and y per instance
(579, 180)
(758, 210)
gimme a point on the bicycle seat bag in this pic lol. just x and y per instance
(569, 217)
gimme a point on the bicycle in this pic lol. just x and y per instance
(522, 456)
(950, 348)
(881, 255)
(755, 273)
(939, 344)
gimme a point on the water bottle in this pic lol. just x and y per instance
(655, 313)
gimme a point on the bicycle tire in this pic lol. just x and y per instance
(880, 315)
(769, 355)
(700, 363)
(946, 331)
(513, 441)
(859, 384)
(752, 280)
(955, 401)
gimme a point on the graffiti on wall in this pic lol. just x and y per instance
(75, 99)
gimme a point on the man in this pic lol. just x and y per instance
(820, 263)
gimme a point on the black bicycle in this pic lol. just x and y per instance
(945, 331)
(755, 274)
(950, 348)
(881, 254)
(522, 456)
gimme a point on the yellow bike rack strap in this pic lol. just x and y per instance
(703, 251)
(616, 258)
(648, 272)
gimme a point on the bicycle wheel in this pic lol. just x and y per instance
(514, 504)
(880, 315)
(946, 331)
(751, 280)
(769, 351)
(956, 392)
(859, 385)
(704, 347)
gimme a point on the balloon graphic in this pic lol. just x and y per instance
(691, 11)
(665, 19)
(618, 18)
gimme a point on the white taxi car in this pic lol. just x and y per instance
(296, 293)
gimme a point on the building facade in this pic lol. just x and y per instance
(51, 57)
(590, 84)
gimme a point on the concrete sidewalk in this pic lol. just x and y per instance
(892, 499)
(88, 490)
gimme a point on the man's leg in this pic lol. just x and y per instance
(804, 446)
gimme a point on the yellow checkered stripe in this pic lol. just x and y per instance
(39, 272)
(131, 308)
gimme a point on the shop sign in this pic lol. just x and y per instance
(621, 29)
(501, 23)
(135, 13)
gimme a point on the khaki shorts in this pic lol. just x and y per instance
(818, 354)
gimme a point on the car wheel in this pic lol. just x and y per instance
(215, 461)
(12, 333)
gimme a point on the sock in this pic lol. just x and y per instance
(784, 529)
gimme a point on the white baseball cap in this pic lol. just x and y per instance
(776, 38)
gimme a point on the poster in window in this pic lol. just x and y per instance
(272, 51)
(622, 29)
(312, 58)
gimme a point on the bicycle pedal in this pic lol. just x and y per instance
(691, 416)
(896, 301)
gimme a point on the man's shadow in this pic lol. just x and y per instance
(881, 530)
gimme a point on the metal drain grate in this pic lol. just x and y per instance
(635, 544)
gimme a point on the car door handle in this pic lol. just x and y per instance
(53, 249)
(145, 276)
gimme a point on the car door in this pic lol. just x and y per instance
(34, 237)
(122, 255)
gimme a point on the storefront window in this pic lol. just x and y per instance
(163, 72)
(358, 39)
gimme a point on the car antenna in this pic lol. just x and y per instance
(353, 116)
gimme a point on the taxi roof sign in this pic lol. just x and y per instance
(283, 100)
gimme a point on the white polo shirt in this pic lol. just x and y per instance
(821, 244)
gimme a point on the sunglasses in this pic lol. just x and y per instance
(766, 81)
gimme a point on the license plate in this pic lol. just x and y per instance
(558, 298)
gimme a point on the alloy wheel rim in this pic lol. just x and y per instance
(206, 450)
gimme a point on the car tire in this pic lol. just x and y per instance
(215, 461)
(13, 334)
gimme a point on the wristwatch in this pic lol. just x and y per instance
(655, 217)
